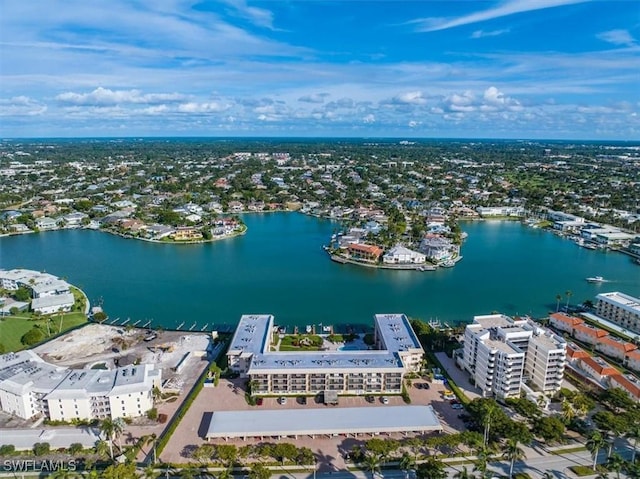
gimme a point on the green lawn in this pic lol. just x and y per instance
(13, 327)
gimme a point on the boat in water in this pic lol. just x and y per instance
(596, 279)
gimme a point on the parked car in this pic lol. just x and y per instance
(259, 401)
(302, 400)
(384, 400)
(282, 400)
(457, 406)
(369, 398)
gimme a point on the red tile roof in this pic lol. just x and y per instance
(563, 318)
(590, 330)
(628, 385)
(619, 345)
(601, 367)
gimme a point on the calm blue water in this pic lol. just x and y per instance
(278, 267)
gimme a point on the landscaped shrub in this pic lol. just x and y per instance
(7, 449)
(41, 448)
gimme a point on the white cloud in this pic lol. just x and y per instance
(413, 124)
(314, 98)
(194, 107)
(370, 118)
(21, 106)
(617, 37)
(411, 98)
(105, 96)
(258, 16)
(492, 33)
(509, 7)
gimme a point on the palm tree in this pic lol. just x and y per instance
(118, 429)
(407, 462)
(513, 453)
(594, 443)
(373, 463)
(432, 468)
(103, 448)
(568, 293)
(107, 428)
(482, 459)
(634, 433)
(558, 299)
(615, 463)
(568, 411)
(150, 472)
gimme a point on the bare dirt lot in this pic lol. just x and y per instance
(329, 451)
(102, 345)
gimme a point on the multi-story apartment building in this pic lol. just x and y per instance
(341, 372)
(621, 309)
(500, 352)
(31, 387)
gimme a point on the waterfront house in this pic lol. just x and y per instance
(53, 304)
(73, 220)
(364, 252)
(186, 233)
(564, 322)
(158, 232)
(236, 206)
(19, 228)
(588, 334)
(632, 360)
(401, 255)
(488, 211)
(437, 248)
(614, 347)
(45, 223)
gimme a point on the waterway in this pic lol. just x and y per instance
(278, 267)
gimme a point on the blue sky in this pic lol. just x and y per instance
(557, 69)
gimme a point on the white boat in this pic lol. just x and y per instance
(596, 279)
(308, 329)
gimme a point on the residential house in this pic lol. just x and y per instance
(365, 252)
(628, 383)
(597, 368)
(614, 347)
(564, 322)
(401, 255)
(186, 233)
(632, 360)
(588, 334)
(45, 223)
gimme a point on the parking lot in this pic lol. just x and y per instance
(229, 396)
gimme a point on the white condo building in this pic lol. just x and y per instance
(31, 387)
(621, 309)
(341, 372)
(500, 353)
(50, 293)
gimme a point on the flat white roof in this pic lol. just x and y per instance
(330, 420)
(621, 300)
(397, 333)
